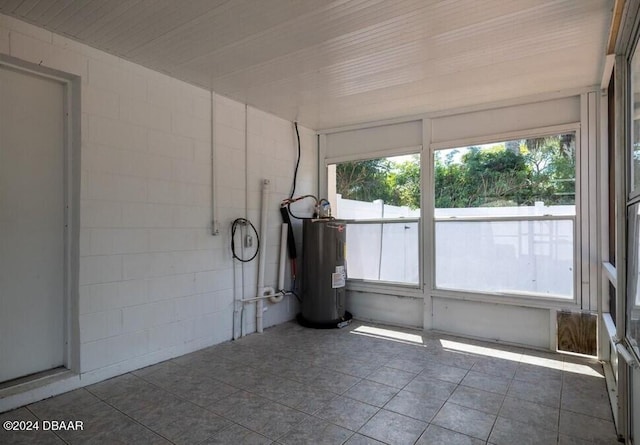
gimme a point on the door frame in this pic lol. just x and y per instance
(627, 38)
(72, 143)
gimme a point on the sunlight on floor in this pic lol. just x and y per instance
(576, 368)
(388, 334)
(481, 350)
(456, 346)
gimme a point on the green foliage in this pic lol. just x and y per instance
(635, 159)
(542, 169)
(509, 174)
(404, 182)
(395, 183)
(364, 180)
(635, 156)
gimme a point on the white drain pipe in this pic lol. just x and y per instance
(277, 298)
(263, 292)
(261, 256)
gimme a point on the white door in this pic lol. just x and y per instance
(32, 226)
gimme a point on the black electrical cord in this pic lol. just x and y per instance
(287, 203)
(295, 295)
(297, 217)
(234, 226)
(295, 172)
(291, 245)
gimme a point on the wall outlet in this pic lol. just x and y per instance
(248, 241)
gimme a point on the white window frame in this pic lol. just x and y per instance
(530, 300)
(632, 198)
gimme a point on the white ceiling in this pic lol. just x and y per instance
(332, 63)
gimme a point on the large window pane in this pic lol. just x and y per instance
(507, 174)
(506, 257)
(504, 217)
(375, 190)
(383, 252)
(634, 164)
(633, 275)
(611, 204)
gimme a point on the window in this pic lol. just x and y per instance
(611, 188)
(611, 171)
(634, 161)
(633, 274)
(633, 212)
(505, 216)
(381, 199)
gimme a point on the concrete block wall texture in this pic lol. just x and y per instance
(154, 282)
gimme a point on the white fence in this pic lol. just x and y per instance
(496, 256)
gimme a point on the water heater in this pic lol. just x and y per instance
(324, 274)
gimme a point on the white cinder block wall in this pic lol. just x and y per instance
(154, 283)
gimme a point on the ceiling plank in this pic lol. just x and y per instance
(333, 62)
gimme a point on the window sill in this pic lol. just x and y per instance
(385, 288)
(513, 300)
(610, 327)
(413, 291)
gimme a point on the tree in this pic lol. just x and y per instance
(482, 178)
(513, 173)
(540, 169)
(396, 183)
(553, 158)
(363, 180)
(404, 182)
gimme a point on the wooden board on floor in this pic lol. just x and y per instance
(577, 332)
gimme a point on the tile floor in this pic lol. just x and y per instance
(365, 384)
